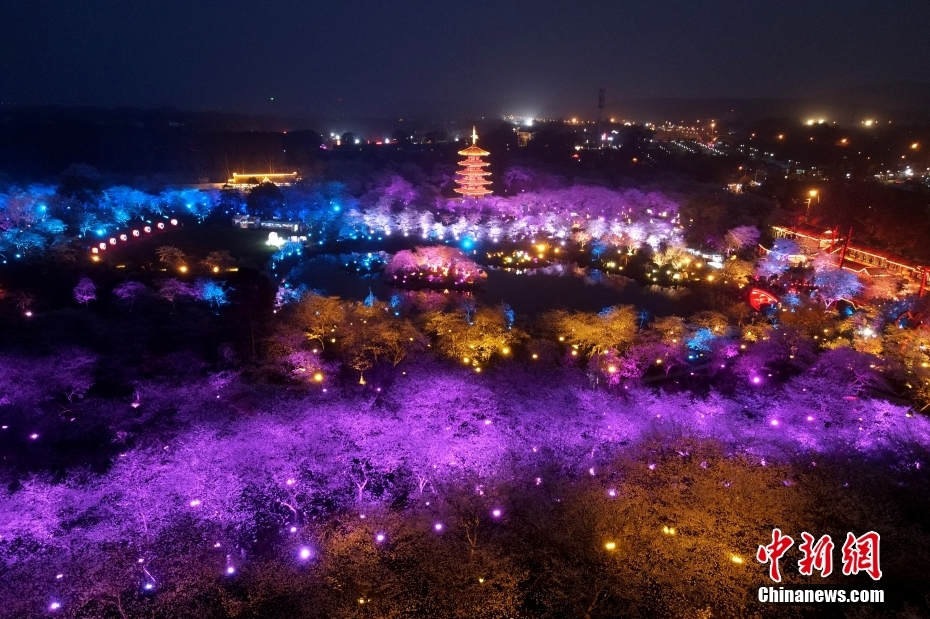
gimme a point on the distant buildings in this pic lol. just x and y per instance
(257, 223)
(246, 181)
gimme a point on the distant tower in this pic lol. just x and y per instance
(601, 96)
(472, 179)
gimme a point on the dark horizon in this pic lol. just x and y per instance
(452, 60)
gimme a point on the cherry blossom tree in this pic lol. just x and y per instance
(85, 291)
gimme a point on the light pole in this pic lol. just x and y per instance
(811, 194)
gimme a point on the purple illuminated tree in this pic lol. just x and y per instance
(834, 284)
(85, 291)
(777, 260)
(129, 292)
(740, 237)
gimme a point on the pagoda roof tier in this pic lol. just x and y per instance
(472, 173)
(474, 151)
(467, 191)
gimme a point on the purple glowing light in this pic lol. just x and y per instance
(496, 512)
(810, 417)
(773, 423)
(438, 527)
(612, 493)
(148, 586)
(230, 570)
(194, 502)
(305, 553)
(34, 436)
(756, 380)
(54, 606)
(380, 537)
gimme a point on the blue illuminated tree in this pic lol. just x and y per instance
(214, 293)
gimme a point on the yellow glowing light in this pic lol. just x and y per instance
(478, 370)
(780, 136)
(736, 559)
(812, 193)
(318, 377)
(535, 356)
(95, 258)
(612, 369)
(669, 530)
(574, 353)
(611, 546)
(561, 338)
(465, 359)
(658, 362)
(915, 145)
(183, 268)
(710, 278)
(480, 579)
(216, 269)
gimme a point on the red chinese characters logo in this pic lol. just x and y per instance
(773, 552)
(860, 554)
(817, 556)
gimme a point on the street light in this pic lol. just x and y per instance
(811, 194)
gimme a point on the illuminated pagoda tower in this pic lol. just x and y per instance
(472, 180)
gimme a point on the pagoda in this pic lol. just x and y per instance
(472, 179)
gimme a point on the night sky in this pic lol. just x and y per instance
(382, 59)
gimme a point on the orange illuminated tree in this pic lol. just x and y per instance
(472, 180)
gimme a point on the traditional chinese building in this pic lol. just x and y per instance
(472, 180)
